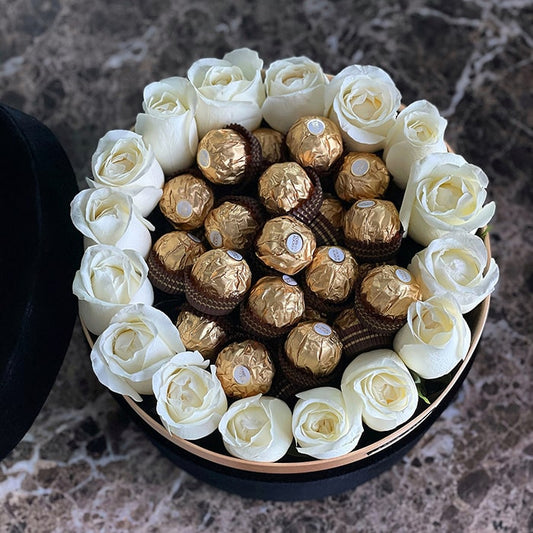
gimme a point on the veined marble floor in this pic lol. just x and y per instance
(80, 67)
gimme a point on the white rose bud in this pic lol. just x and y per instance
(230, 90)
(168, 123)
(109, 216)
(363, 101)
(190, 399)
(435, 338)
(444, 193)
(123, 160)
(257, 428)
(137, 342)
(109, 279)
(381, 385)
(417, 132)
(454, 264)
(322, 425)
(294, 88)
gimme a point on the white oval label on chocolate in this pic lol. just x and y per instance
(234, 255)
(204, 159)
(403, 275)
(184, 208)
(336, 254)
(316, 127)
(241, 375)
(322, 329)
(365, 203)
(289, 281)
(215, 238)
(360, 167)
(294, 243)
(193, 237)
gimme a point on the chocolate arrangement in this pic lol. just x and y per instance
(296, 262)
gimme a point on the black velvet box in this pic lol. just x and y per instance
(41, 252)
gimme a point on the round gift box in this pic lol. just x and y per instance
(296, 477)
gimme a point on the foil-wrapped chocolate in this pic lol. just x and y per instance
(201, 332)
(389, 290)
(345, 319)
(186, 200)
(283, 187)
(314, 141)
(277, 301)
(231, 225)
(245, 369)
(229, 155)
(332, 210)
(285, 244)
(371, 221)
(170, 256)
(178, 250)
(332, 274)
(313, 314)
(357, 338)
(221, 274)
(271, 142)
(315, 347)
(362, 175)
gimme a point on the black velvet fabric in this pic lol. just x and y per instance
(41, 251)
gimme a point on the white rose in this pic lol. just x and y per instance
(294, 88)
(417, 132)
(123, 160)
(322, 425)
(168, 123)
(454, 264)
(109, 279)
(257, 428)
(109, 216)
(379, 382)
(190, 399)
(230, 90)
(444, 193)
(133, 347)
(435, 338)
(363, 101)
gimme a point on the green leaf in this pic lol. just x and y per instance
(484, 232)
(420, 387)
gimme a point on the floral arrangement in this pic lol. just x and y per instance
(139, 350)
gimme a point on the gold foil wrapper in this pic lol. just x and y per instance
(332, 273)
(178, 250)
(371, 221)
(314, 346)
(284, 186)
(271, 142)
(186, 200)
(201, 333)
(286, 245)
(346, 319)
(333, 210)
(220, 274)
(245, 369)
(313, 314)
(390, 290)
(315, 141)
(277, 301)
(230, 226)
(221, 156)
(362, 175)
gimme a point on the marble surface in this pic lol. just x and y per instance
(80, 67)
